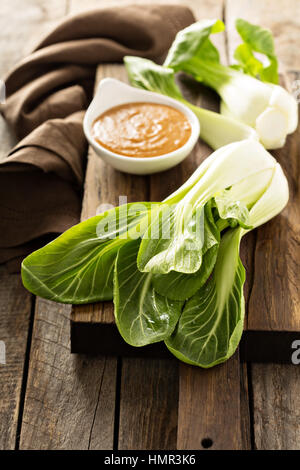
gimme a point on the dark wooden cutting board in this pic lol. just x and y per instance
(271, 253)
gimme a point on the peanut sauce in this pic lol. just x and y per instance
(142, 130)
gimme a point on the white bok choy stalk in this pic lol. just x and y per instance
(249, 90)
(215, 129)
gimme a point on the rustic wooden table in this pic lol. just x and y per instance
(51, 399)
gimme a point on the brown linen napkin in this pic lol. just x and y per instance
(41, 179)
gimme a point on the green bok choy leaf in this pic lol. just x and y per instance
(78, 266)
(211, 324)
(256, 39)
(143, 316)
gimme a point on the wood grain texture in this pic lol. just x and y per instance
(70, 400)
(210, 407)
(276, 406)
(18, 33)
(214, 407)
(148, 405)
(274, 301)
(245, 408)
(15, 310)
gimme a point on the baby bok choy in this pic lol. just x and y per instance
(249, 90)
(172, 268)
(211, 324)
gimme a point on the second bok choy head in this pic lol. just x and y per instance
(249, 90)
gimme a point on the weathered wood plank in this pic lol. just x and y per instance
(70, 400)
(276, 406)
(245, 409)
(277, 251)
(148, 407)
(274, 301)
(209, 407)
(15, 313)
(214, 407)
(18, 33)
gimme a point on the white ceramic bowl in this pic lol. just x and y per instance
(112, 93)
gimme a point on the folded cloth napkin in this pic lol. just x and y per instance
(41, 179)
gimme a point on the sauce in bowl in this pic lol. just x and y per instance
(142, 130)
